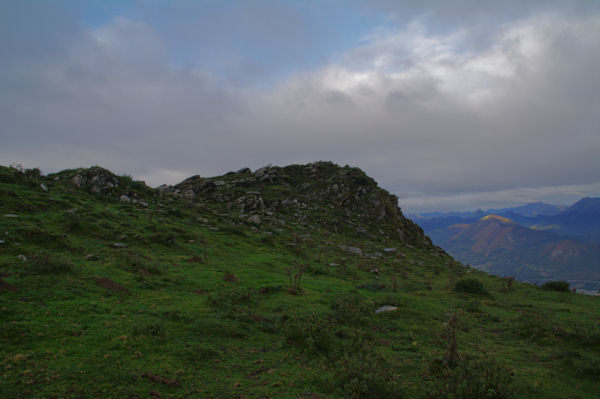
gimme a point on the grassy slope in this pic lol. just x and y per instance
(63, 335)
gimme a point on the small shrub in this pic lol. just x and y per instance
(587, 368)
(362, 373)
(197, 352)
(561, 286)
(310, 332)
(150, 330)
(228, 298)
(271, 324)
(136, 263)
(473, 306)
(469, 379)
(470, 286)
(230, 278)
(350, 308)
(507, 283)
(533, 325)
(270, 289)
(46, 264)
(295, 275)
(316, 270)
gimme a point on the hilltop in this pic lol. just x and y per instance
(297, 281)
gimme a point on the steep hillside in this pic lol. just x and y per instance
(304, 281)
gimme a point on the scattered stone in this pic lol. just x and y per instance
(374, 271)
(334, 264)
(386, 308)
(124, 198)
(11, 215)
(243, 170)
(72, 211)
(142, 203)
(119, 245)
(202, 220)
(2, 241)
(91, 258)
(4, 286)
(354, 250)
(22, 258)
(43, 187)
(389, 249)
(254, 219)
(109, 284)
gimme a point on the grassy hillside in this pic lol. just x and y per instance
(263, 285)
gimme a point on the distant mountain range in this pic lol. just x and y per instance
(535, 243)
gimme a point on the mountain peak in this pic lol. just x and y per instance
(498, 218)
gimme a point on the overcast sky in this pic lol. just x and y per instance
(450, 105)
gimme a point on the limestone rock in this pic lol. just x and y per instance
(354, 250)
(386, 308)
(254, 219)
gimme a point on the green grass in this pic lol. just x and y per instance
(182, 330)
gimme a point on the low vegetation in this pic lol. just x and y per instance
(296, 282)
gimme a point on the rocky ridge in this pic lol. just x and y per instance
(319, 195)
(316, 194)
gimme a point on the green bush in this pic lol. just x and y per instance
(350, 308)
(470, 286)
(309, 332)
(362, 373)
(561, 286)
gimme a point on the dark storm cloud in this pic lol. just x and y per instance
(436, 118)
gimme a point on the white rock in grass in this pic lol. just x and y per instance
(386, 308)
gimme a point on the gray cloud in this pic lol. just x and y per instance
(438, 121)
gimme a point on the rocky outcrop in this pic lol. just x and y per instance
(96, 179)
(319, 193)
